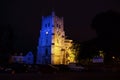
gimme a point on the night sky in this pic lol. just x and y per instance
(24, 17)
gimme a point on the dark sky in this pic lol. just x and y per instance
(24, 16)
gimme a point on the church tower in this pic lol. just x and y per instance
(51, 48)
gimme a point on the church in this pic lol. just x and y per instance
(53, 47)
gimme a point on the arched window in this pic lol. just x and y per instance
(46, 52)
(48, 24)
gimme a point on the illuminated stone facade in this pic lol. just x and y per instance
(27, 59)
(70, 57)
(52, 46)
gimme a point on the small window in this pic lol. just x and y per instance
(52, 43)
(63, 36)
(57, 25)
(46, 52)
(48, 24)
(53, 33)
(45, 25)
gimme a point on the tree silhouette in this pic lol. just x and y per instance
(6, 42)
(107, 26)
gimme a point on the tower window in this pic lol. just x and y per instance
(46, 41)
(53, 33)
(46, 52)
(48, 24)
(57, 25)
(52, 43)
(45, 25)
(63, 36)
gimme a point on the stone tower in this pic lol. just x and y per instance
(51, 48)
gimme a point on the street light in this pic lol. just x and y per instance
(113, 57)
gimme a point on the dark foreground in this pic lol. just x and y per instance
(63, 76)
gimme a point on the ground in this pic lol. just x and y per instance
(62, 76)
